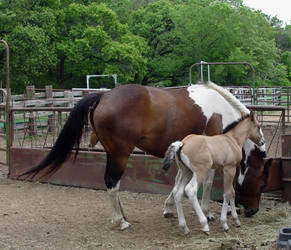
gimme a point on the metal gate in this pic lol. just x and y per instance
(3, 95)
(5, 130)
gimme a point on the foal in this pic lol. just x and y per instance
(195, 156)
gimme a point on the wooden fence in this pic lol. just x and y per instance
(29, 123)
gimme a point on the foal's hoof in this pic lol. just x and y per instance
(237, 222)
(186, 231)
(125, 225)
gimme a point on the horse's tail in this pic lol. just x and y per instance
(69, 137)
(170, 154)
(229, 97)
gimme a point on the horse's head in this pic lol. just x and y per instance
(252, 178)
(256, 134)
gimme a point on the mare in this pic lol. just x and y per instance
(150, 118)
(195, 155)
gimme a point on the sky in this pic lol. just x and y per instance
(281, 8)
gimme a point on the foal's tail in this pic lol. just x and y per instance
(170, 154)
(69, 137)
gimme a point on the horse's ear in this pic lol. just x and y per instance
(252, 116)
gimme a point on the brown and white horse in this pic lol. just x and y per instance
(151, 119)
(196, 155)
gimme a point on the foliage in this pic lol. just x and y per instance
(142, 41)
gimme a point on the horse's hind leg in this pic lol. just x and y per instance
(191, 191)
(178, 194)
(207, 185)
(169, 203)
(114, 170)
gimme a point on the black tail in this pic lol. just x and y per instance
(170, 154)
(69, 137)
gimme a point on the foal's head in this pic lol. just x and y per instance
(255, 131)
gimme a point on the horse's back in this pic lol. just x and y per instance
(151, 118)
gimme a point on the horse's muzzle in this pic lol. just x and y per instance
(250, 211)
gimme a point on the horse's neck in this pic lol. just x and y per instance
(240, 132)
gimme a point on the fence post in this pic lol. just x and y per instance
(32, 128)
(49, 91)
(69, 95)
(30, 92)
(52, 117)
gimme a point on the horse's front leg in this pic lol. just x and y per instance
(233, 209)
(207, 185)
(228, 196)
(169, 203)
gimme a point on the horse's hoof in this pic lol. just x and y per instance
(125, 225)
(205, 228)
(186, 231)
(206, 232)
(237, 222)
(168, 215)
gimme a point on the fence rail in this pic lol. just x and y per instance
(42, 114)
(265, 96)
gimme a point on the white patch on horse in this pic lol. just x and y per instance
(210, 101)
(241, 176)
(249, 146)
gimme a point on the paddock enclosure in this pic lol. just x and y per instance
(31, 123)
(37, 117)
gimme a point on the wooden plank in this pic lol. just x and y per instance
(144, 173)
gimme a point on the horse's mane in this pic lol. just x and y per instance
(229, 97)
(233, 124)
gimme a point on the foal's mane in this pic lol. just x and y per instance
(233, 124)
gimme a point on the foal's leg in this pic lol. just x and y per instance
(178, 194)
(114, 169)
(191, 191)
(169, 203)
(228, 196)
(207, 185)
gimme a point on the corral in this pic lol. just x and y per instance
(46, 216)
(33, 130)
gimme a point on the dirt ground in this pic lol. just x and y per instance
(43, 216)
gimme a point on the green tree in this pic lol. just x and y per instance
(30, 35)
(95, 42)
